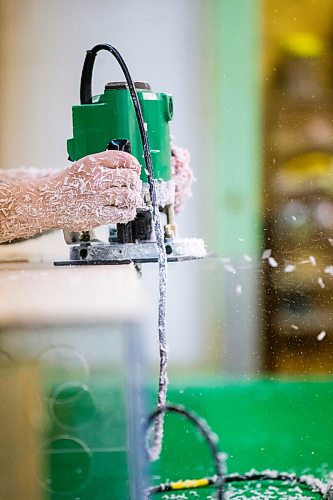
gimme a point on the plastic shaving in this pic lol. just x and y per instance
(321, 335)
(230, 268)
(329, 270)
(272, 262)
(321, 282)
(312, 260)
(267, 253)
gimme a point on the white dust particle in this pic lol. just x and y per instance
(230, 268)
(239, 289)
(329, 270)
(321, 335)
(272, 262)
(331, 241)
(289, 268)
(247, 258)
(321, 282)
(293, 217)
(267, 253)
(241, 240)
(294, 327)
(312, 260)
(225, 260)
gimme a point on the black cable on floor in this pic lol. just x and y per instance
(210, 439)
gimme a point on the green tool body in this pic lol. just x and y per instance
(111, 116)
(118, 119)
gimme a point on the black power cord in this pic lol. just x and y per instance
(86, 98)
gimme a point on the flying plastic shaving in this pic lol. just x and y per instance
(321, 282)
(290, 268)
(321, 335)
(267, 255)
(272, 262)
(230, 268)
(312, 260)
(329, 270)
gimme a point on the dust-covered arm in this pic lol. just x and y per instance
(25, 173)
(99, 189)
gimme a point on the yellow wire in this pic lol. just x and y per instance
(189, 483)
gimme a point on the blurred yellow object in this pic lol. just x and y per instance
(20, 468)
(303, 45)
(308, 164)
(306, 172)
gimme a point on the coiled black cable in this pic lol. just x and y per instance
(210, 439)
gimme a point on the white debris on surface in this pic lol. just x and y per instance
(294, 327)
(321, 335)
(330, 241)
(266, 254)
(247, 258)
(289, 268)
(272, 262)
(321, 282)
(239, 289)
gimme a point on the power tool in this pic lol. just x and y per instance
(109, 121)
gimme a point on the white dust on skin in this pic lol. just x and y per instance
(98, 189)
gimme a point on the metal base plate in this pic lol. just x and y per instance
(138, 253)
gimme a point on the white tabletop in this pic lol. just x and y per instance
(33, 291)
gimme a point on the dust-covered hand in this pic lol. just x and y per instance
(182, 176)
(99, 189)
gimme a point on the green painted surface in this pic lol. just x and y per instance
(261, 424)
(235, 31)
(112, 116)
(86, 444)
(285, 426)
